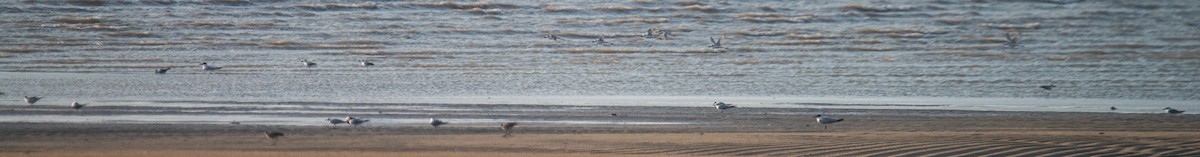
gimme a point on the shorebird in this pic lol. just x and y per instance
(76, 105)
(1048, 87)
(435, 122)
(273, 136)
(31, 99)
(365, 63)
(1172, 111)
(600, 41)
(205, 66)
(649, 33)
(664, 34)
(716, 43)
(162, 70)
(507, 128)
(357, 121)
(825, 121)
(1114, 108)
(335, 122)
(723, 106)
(348, 118)
(1013, 40)
(308, 64)
(552, 37)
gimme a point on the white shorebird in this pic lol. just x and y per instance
(435, 122)
(357, 121)
(825, 121)
(205, 66)
(723, 106)
(31, 99)
(76, 105)
(308, 64)
(162, 70)
(335, 122)
(716, 43)
(365, 63)
(273, 136)
(664, 34)
(507, 128)
(348, 118)
(1172, 111)
(1013, 40)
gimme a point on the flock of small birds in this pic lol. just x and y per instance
(1013, 40)
(205, 66)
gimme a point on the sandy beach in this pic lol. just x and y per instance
(737, 132)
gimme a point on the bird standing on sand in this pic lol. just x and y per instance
(365, 63)
(716, 43)
(76, 105)
(825, 121)
(335, 122)
(273, 136)
(435, 122)
(31, 99)
(308, 64)
(162, 70)
(357, 121)
(205, 66)
(507, 128)
(1172, 111)
(723, 106)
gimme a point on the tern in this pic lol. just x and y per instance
(435, 122)
(357, 121)
(162, 70)
(723, 106)
(1172, 111)
(205, 66)
(31, 99)
(825, 121)
(76, 105)
(308, 64)
(365, 63)
(716, 43)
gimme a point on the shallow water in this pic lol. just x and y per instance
(1138, 55)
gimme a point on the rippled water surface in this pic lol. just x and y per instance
(1091, 50)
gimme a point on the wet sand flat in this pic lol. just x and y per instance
(734, 133)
